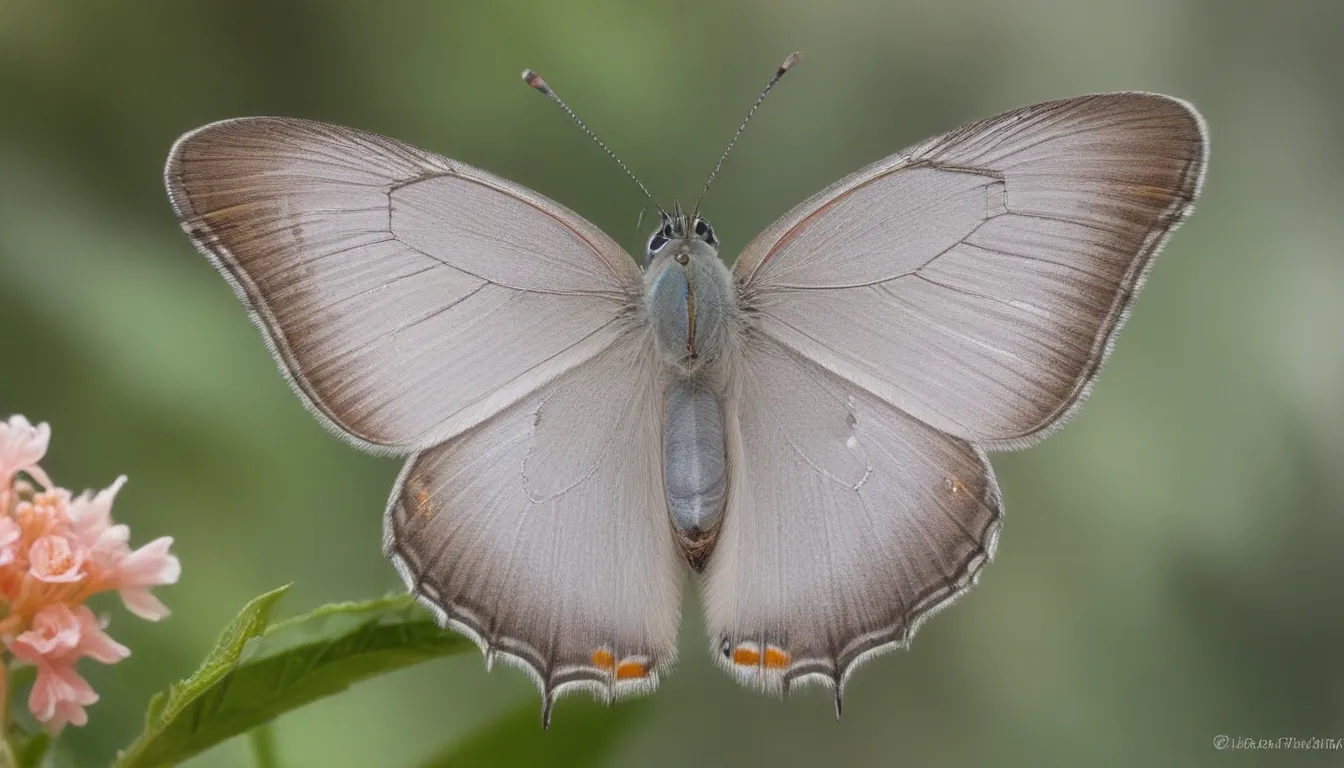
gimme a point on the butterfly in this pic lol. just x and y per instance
(804, 432)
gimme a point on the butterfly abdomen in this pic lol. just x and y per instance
(695, 468)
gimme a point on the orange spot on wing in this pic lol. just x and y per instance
(632, 670)
(776, 658)
(422, 504)
(746, 656)
(602, 659)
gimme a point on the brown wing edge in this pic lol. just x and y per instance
(1178, 209)
(222, 259)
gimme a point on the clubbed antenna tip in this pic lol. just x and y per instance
(534, 80)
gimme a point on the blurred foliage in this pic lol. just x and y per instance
(587, 734)
(29, 747)
(1170, 566)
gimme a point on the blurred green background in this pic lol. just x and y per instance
(1170, 566)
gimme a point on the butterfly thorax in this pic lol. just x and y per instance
(689, 296)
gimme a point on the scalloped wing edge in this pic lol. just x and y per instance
(601, 685)
(826, 672)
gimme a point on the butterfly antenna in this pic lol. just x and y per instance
(785, 67)
(534, 80)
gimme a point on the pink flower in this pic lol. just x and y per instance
(54, 635)
(59, 637)
(10, 533)
(43, 513)
(56, 560)
(91, 523)
(21, 446)
(148, 566)
(59, 696)
(55, 553)
(91, 516)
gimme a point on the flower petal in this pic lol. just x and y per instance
(53, 637)
(149, 566)
(10, 533)
(140, 602)
(21, 446)
(56, 560)
(67, 712)
(44, 695)
(91, 515)
(94, 642)
(59, 696)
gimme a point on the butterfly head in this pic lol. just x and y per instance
(677, 229)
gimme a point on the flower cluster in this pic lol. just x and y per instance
(56, 551)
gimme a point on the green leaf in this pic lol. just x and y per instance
(256, 674)
(166, 723)
(581, 733)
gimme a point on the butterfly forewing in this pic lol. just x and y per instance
(976, 280)
(385, 277)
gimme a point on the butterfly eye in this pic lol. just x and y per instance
(656, 243)
(667, 231)
(705, 232)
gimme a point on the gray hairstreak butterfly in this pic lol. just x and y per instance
(805, 431)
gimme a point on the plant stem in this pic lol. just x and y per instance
(262, 739)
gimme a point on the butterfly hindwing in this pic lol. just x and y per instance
(543, 531)
(848, 522)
